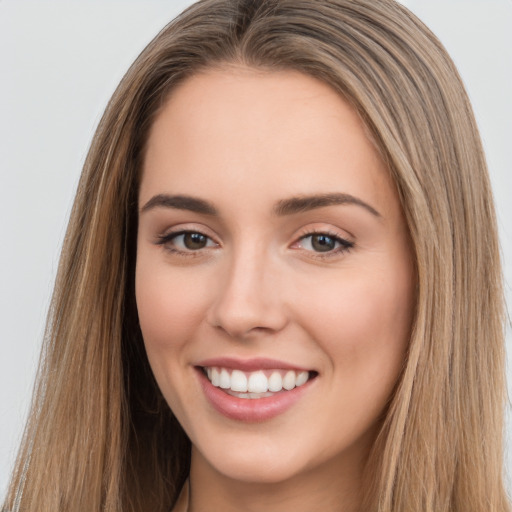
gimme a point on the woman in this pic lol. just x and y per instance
(291, 193)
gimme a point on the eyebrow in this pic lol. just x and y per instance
(284, 207)
(180, 202)
(305, 203)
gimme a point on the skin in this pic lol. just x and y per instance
(243, 140)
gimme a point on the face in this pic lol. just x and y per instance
(274, 276)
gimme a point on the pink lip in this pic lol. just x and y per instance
(249, 365)
(247, 410)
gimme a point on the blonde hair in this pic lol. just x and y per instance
(100, 436)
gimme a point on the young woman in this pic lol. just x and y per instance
(280, 288)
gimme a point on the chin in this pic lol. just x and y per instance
(256, 466)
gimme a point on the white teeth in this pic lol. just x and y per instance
(238, 381)
(302, 378)
(275, 382)
(249, 395)
(215, 378)
(225, 380)
(289, 380)
(256, 384)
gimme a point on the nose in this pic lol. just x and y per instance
(249, 298)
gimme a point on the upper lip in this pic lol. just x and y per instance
(248, 365)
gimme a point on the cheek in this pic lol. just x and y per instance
(170, 306)
(362, 322)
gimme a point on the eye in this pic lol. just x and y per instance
(186, 241)
(324, 243)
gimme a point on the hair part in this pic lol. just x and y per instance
(100, 436)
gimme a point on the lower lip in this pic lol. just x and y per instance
(250, 410)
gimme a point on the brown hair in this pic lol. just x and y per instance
(100, 436)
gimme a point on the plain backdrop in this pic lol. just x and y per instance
(59, 63)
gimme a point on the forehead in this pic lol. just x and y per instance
(227, 131)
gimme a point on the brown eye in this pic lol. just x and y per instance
(323, 243)
(194, 241)
(186, 242)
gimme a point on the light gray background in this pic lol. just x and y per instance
(59, 63)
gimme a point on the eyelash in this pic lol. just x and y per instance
(344, 244)
(343, 247)
(167, 239)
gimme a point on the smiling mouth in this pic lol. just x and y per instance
(256, 384)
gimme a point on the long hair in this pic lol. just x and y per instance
(100, 436)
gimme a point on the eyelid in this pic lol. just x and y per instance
(346, 243)
(165, 238)
(176, 234)
(186, 227)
